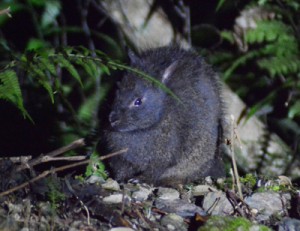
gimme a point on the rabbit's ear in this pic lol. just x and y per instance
(133, 57)
(169, 71)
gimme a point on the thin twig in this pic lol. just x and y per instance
(81, 202)
(65, 158)
(235, 171)
(76, 144)
(143, 219)
(59, 169)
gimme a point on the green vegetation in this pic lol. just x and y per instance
(95, 167)
(259, 59)
(216, 223)
(54, 193)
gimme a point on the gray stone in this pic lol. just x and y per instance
(111, 184)
(174, 222)
(201, 190)
(121, 229)
(113, 199)
(216, 203)
(179, 207)
(167, 193)
(141, 194)
(95, 179)
(289, 224)
(267, 204)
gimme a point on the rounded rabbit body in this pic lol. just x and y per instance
(170, 140)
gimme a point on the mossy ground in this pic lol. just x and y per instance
(218, 223)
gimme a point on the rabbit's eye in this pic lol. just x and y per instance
(138, 102)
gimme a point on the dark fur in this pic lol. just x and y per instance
(169, 141)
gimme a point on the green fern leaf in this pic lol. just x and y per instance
(63, 62)
(90, 67)
(105, 69)
(294, 110)
(254, 109)
(47, 65)
(266, 31)
(87, 109)
(10, 90)
(240, 61)
(48, 87)
(280, 65)
(43, 80)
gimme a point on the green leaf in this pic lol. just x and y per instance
(48, 65)
(95, 167)
(63, 62)
(87, 109)
(294, 110)
(10, 90)
(42, 79)
(238, 62)
(254, 109)
(48, 88)
(280, 65)
(35, 44)
(105, 69)
(115, 65)
(38, 3)
(220, 4)
(228, 36)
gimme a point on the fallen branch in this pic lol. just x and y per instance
(49, 156)
(59, 169)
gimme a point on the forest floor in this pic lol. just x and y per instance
(62, 200)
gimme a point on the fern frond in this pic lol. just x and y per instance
(10, 90)
(240, 61)
(267, 31)
(63, 62)
(46, 64)
(294, 110)
(280, 65)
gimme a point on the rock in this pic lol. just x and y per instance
(114, 199)
(201, 190)
(9, 223)
(179, 207)
(111, 184)
(208, 180)
(121, 229)
(141, 194)
(267, 204)
(216, 203)
(167, 193)
(95, 179)
(174, 222)
(289, 224)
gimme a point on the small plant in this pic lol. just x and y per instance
(95, 167)
(249, 180)
(217, 223)
(54, 193)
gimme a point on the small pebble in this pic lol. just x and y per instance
(111, 184)
(113, 199)
(167, 193)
